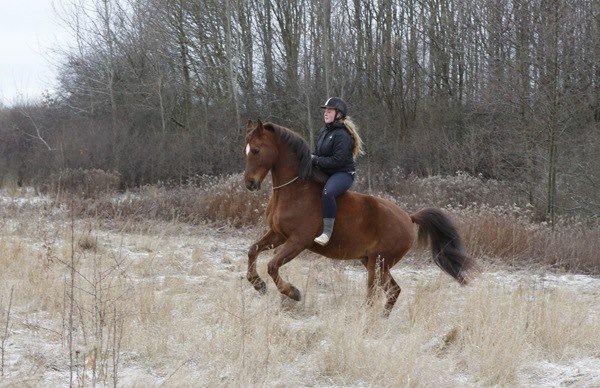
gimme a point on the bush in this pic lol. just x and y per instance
(506, 235)
(215, 199)
(491, 227)
(84, 183)
(460, 190)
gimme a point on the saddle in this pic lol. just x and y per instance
(319, 176)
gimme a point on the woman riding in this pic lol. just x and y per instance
(337, 147)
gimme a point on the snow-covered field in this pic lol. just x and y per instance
(167, 303)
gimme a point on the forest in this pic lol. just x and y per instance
(159, 91)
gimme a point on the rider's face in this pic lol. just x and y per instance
(329, 115)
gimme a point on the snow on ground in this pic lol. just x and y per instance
(577, 372)
(23, 196)
(36, 350)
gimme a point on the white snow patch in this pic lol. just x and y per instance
(580, 372)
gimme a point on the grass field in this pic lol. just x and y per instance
(146, 300)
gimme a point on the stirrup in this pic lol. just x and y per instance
(323, 239)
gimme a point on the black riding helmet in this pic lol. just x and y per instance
(337, 104)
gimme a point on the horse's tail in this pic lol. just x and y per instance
(447, 249)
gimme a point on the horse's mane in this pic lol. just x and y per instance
(299, 147)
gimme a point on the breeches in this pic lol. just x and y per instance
(337, 184)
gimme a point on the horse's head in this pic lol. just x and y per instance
(261, 153)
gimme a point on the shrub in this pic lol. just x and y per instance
(505, 235)
(216, 199)
(90, 183)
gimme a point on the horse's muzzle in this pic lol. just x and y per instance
(252, 185)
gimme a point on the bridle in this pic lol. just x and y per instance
(286, 183)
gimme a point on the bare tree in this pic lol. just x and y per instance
(508, 88)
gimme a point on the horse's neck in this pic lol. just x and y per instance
(285, 169)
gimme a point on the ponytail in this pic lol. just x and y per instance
(358, 143)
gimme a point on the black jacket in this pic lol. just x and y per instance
(333, 149)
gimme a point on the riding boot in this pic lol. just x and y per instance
(327, 231)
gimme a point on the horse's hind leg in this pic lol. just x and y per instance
(391, 288)
(369, 263)
(288, 251)
(269, 240)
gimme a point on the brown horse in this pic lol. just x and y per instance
(373, 230)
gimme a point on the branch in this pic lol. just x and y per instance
(5, 336)
(37, 130)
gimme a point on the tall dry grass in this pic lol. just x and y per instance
(215, 199)
(460, 190)
(493, 223)
(189, 317)
(226, 334)
(87, 183)
(503, 236)
(67, 292)
(173, 307)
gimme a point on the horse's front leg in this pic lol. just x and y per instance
(288, 251)
(269, 240)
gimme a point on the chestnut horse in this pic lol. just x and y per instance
(373, 230)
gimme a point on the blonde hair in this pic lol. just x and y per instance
(358, 143)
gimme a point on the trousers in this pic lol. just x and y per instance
(337, 184)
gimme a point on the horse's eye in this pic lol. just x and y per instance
(254, 151)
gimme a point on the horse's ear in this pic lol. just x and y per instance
(262, 126)
(259, 127)
(249, 126)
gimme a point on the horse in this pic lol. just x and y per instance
(373, 230)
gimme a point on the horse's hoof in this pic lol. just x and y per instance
(295, 294)
(261, 287)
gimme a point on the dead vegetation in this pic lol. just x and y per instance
(495, 221)
(132, 295)
(172, 307)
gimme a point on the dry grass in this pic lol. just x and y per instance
(161, 301)
(459, 190)
(494, 233)
(334, 340)
(189, 317)
(10, 186)
(35, 259)
(492, 225)
(219, 199)
(87, 242)
(87, 183)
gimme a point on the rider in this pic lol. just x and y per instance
(337, 147)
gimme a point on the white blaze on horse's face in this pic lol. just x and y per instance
(247, 148)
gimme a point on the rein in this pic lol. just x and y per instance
(285, 184)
